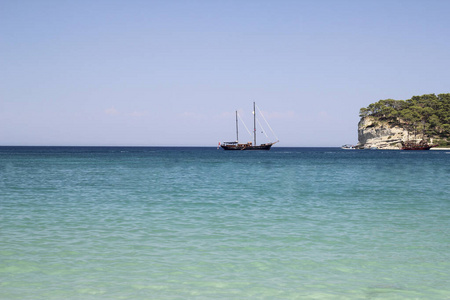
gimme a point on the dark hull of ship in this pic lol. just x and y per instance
(246, 147)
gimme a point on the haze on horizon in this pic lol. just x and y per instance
(172, 73)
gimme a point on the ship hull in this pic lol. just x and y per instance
(246, 147)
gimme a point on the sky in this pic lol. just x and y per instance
(173, 73)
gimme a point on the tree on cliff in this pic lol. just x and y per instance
(428, 113)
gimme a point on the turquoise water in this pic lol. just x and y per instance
(201, 223)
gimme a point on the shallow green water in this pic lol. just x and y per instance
(201, 223)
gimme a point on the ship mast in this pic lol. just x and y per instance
(237, 130)
(254, 124)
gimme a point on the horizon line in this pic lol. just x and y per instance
(156, 146)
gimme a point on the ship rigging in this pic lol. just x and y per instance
(250, 145)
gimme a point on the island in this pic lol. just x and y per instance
(392, 124)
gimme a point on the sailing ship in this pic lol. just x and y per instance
(250, 145)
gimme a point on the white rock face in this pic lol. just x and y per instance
(378, 134)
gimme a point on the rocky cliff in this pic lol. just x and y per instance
(385, 124)
(373, 133)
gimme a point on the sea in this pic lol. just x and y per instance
(202, 223)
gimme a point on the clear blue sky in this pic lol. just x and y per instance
(173, 72)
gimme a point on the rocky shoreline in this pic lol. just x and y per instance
(414, 124)
(373, 133)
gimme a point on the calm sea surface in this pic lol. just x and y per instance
(201, 223)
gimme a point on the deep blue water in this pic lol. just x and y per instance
(201, 223)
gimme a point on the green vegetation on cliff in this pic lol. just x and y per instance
(426, 114)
